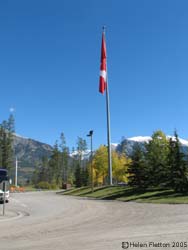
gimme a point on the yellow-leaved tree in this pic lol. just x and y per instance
(120, 164)
(100, 165)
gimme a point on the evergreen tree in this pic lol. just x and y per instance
(81, 148)
(177, 166)
(11, 124)
(35, 176)
(6, 143)
(64, 158)
(55, 175)
(54, 171)
(85, 176)
(78, 177)
(81, 172)
(136, 170)
(43, 171)
(156, 159)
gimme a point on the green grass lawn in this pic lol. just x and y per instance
(30, 188)
(126, 194)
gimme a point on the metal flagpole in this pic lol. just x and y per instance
(108, 124)
(16, 173)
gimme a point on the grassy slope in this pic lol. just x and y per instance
(130, 194)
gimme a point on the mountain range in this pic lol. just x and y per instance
(127, 144)
(29, 152)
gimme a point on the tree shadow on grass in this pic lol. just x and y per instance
(147, 194)
(87, 192)
(124, 193)
(165, 195)
(129, 194)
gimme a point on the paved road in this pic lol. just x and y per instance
(46, 221)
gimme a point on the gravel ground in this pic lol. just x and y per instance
(46, 221)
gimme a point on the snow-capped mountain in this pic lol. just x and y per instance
(114, 146)
(127, 144)
(29, 152)
(85, 154)
(149, 138)
(140, 138)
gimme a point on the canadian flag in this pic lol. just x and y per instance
(103, 70)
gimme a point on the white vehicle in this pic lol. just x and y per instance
(4, 185)
(2, 196)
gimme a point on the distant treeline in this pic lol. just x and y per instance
(6, 143)
(160, 163)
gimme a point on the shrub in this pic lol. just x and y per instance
(43, 185)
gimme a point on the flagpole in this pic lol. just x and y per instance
(108, 125)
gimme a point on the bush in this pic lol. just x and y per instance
(43, 185)
(53, 186)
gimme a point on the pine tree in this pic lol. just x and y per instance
(78, 177)
(85, 176)
(43, 172)
(64, 158)
(6, 143)
(81, 148)
(177, 166)
(55, 166)
(137, 173)
(81, 173)
(11, 124)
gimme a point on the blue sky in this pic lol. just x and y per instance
(49, 67)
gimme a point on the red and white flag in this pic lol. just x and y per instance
(103, 70)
